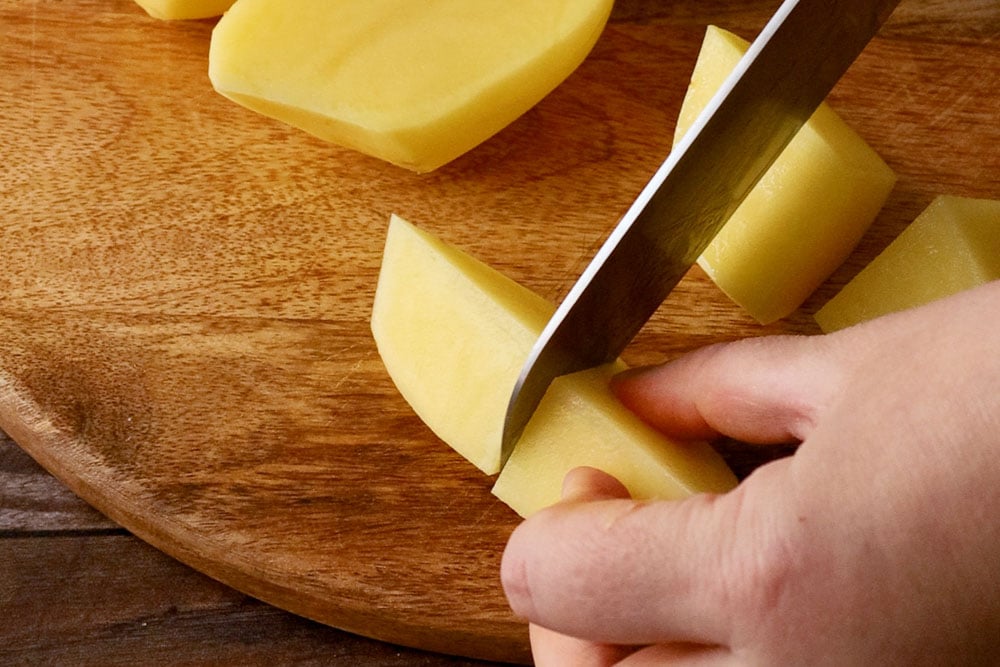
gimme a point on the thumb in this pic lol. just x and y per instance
(763, 390)
(548, 647)
(618, 571)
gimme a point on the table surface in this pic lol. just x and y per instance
(77, 588)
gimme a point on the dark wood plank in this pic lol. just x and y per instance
(32, 501)
(114, 600)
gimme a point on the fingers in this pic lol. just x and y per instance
(772, 389)
(585, 483)
(763, 390)
(552, 649)
(622, 572)
(681, 655)
(615, 571)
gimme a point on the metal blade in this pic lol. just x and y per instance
(787, 72)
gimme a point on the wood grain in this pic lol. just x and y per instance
(77, 589)
(185, 289)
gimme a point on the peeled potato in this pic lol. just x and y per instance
(413, 83)
(805, 215)
(453, 334)
(954, 245)
(184, 9)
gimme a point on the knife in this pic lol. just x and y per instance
(786, 73)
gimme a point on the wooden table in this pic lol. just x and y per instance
(119, 167)
(77, 589)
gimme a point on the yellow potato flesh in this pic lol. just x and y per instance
(581, 423)
(453, 334)
(805, 215)
(184, 9)
(413, 83)
(952, 246)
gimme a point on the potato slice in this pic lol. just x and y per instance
(581, 423)
(413, 83)
(805, 215)
(453, 334)
(953, 245)
(184, 9)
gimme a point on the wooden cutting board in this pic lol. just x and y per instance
(185, 287)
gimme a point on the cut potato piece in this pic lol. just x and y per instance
(806, 214)
(581, 423)
(453, 334)
(413, 83)
(954, 245)
(184, 9)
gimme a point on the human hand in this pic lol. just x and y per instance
(876, 543)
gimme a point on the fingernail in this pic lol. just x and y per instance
(629, 375)
(586, 484)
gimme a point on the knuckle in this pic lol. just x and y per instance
(766, 561)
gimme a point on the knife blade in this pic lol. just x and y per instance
(786, 73)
